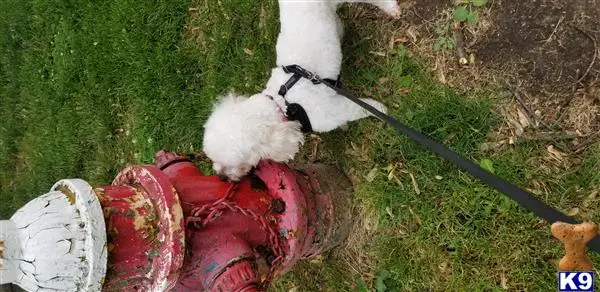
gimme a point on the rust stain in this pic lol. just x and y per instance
(68, 193)
(291, 234)
(1, 253)
(99, 192)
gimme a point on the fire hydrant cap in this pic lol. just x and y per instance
(56, 241)
(95, 231)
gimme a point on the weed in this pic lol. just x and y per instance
(465, 12)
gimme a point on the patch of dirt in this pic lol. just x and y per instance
(423, 11)
(551, 48)
(546, 51)
(549, 42)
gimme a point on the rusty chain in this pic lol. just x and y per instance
(205, 214)
(197, 156)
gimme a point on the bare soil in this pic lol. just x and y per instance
(550, 42)
(546, 50)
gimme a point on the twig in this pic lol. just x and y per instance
(421, 17)
(530, 113)
(459, 43)
(587, 71)
(532, 116)
(547, 137)
(593, 138)
(555, 29)
(565, 104)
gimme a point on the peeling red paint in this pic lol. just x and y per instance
(145, 228)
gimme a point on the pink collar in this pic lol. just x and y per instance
(281, 111)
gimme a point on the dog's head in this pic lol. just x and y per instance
(242, 131)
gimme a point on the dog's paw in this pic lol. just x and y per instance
(390, 7)
(382, 108)
(377, 105)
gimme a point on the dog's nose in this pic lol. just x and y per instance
(222, 177)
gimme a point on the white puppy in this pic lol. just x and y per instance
(241, 131)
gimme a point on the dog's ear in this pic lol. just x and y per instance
(283, 141)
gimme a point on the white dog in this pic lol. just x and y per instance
(241, 131)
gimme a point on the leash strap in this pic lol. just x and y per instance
(517, 194)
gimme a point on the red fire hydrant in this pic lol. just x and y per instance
(170, 227)
(241, 236)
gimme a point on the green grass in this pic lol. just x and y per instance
(86, 88)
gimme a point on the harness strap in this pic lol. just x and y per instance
(517, 194)
(288, 84)
(294, 111)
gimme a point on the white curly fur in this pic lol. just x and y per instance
(241, 130)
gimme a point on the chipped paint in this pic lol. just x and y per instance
(177, 216)
(1, 253)
(210, 267)
(149, 218)
(68, 193)
(291, 234)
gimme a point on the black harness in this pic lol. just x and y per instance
(294, 111)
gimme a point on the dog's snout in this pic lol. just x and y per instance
(222, 177)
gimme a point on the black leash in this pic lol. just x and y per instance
(517, 194)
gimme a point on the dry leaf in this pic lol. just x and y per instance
(370, 223)
(523, 119)
(318, 259)
(503, 281)
(388, 210)
(443, 266)
(414, 183)
(412, 34)
(592, 197)
(372, 174)
(417, 218)
(380, 54)
(471, 58)
(248, 52)
(441, 75)
(573, 211)
(518, 128)
(390, 169)
(557, 155)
